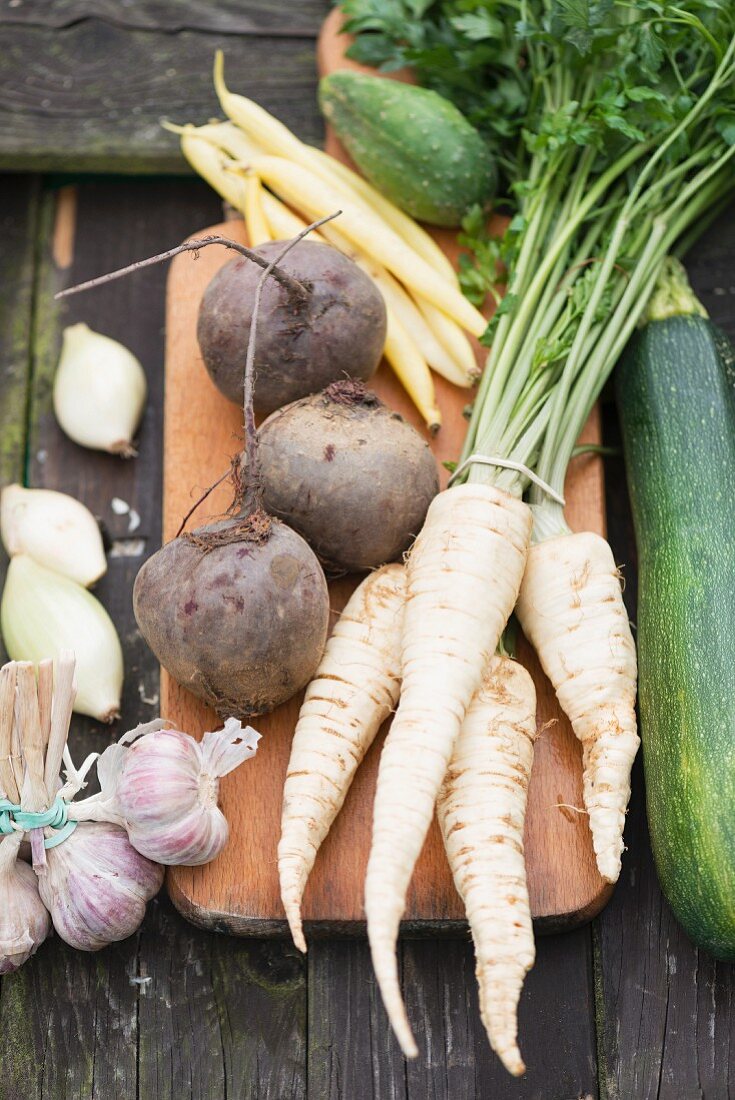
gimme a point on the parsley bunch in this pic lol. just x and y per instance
(614, 124)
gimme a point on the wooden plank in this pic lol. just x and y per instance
(241, 886)
(70, 1023)
(218, 1017)
(666, 1011)
(289, 18)
(97, 1055)
(19, 203)
(556, 1024)
(353, 1053)
(90, 97)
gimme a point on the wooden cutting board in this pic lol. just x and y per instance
(238, 892)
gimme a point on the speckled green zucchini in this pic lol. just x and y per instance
(677, 410)
(412, 144)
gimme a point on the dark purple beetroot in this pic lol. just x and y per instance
(241, 624)
(349, 474)
(338, 331)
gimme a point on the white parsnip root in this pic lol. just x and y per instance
(571, 610)
(482, 809)
(463, 576)
(354, 690)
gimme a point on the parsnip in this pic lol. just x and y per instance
(571, 610)
(481, 809)
(354, 690)
(463, 577)
(311, 195)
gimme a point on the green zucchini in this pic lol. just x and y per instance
(411, 143)
(677, 412)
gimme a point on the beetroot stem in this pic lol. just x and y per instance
(252, 497)
(293, 286)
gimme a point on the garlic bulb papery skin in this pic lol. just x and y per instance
(43, 613)
(167, 792)
(24, 919)
(97, 886)
(99, 391)
(55, 530)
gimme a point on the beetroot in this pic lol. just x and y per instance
(237, 611)
(336, 330)
(349, 474)
(238, 617)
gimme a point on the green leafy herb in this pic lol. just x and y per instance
(613, 122)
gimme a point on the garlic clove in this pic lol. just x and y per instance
(187, 841)
(24, 919)
(43, 613)
(55, 530)
(99, 391)
(97, 886)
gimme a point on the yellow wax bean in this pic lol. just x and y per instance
(209, 161)
(315, 198)
(452, 339)
(277, 139)
(402, 350)
(255, 221)
(412, 233)
(416, 325)
(406, 311)
(412, 371)
(283, 223)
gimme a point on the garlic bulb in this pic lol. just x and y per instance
(43, 613)
(99, 391)
(96, 886)
(24, 919)
(55, 530)
(166, 788)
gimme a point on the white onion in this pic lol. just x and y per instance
(55, 530)
(99, 391)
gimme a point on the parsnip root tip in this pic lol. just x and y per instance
(385, 965)
(295, 922)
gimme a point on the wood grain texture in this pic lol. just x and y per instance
(19, 203)
(287, 18)
(555, 1015)
(666, 1010)
(240, 888)
(171, 1012)
(90, 96)
(218, 1017)
(89, 1048)
(352, 1052)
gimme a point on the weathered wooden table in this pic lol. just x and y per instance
(625, 1008)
